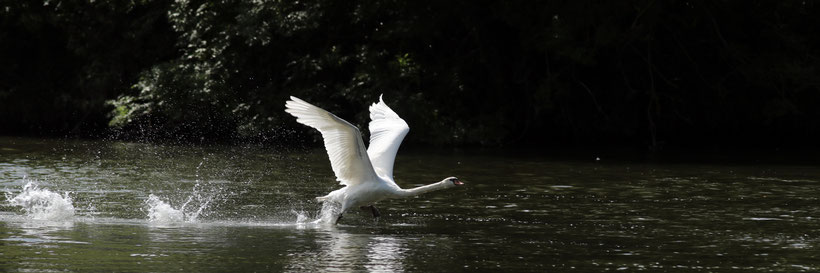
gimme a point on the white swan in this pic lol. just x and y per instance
(366, 174)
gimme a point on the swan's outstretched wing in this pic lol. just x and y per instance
(343, 141)
(387, 130)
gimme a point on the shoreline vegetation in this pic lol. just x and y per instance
(647, 75)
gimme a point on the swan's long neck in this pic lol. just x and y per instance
(424, 189)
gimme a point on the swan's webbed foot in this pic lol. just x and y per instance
(373, 210)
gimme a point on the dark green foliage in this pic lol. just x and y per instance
(638, 73)
(60, 60)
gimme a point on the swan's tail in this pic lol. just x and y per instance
(322, 199)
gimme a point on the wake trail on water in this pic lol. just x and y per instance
(161, 211)
(42, 204)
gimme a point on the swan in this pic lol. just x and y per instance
(366, 174)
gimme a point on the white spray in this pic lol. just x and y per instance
(43, 204)
(161, 212)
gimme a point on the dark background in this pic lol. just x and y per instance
(648, 75)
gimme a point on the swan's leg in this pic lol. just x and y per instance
(372, 209)
(375, 211)
(341, 212)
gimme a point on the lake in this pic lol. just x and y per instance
(72, 205)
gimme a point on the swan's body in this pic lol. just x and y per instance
(367, 174)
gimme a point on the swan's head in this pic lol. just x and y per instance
(452, 181)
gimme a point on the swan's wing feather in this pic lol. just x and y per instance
(343, 141)
(387, 130)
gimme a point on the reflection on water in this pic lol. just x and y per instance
(384, 254)
(226, 208)
(338, 250)
(40, 233)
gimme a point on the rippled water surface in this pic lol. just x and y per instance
(114, 206)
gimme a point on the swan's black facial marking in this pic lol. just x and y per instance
(456, 182)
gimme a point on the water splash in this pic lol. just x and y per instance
(161, 212)
(195, 205)
(302, 217)
(328, 214)
(42, 204)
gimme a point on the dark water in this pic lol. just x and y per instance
(142, 207)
